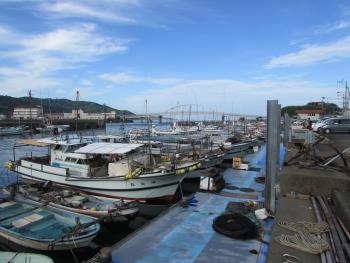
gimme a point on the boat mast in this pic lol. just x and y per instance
(149, 133)
(76, 111)
(30, 112)
(105, 117)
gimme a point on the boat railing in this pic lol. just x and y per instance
(44, 168)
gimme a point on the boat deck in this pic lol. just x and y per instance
(186, 234)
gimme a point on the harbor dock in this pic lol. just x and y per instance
(185, 234)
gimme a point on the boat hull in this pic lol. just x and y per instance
(31, 241)
(38, 245)
(144, 187)
(234, 149)
(129, 212)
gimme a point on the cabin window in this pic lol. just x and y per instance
(82, 161)
(70, 159)
(57, 147)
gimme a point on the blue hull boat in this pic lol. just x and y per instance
(37, 226)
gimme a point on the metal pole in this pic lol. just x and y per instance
(271, 154)
(278, 137)
(286, 129)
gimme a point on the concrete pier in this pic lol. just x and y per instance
(303, 177)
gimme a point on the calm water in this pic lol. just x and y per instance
(110, 233)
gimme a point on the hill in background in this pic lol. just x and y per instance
(328, 108)
(7, 103)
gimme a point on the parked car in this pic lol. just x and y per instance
(336, 125)
(317, 126)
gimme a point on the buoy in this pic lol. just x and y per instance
(9, 165)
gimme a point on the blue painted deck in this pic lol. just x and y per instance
(186, 234)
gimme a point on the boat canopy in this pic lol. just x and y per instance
(63, 141)
(109, 148)
(32, 142)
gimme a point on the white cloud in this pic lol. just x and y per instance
(125, 78)
(84, 9)
(339, 25)
(311, 54)
(75, 43)
(39, 56)
(245, 96)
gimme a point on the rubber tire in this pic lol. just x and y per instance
(319, 130)
(327, 131)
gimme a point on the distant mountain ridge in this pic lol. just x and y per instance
(7, 103)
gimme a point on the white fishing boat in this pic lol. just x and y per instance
(115, 170)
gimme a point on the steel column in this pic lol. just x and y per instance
(272, 153)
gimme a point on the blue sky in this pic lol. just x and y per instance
(225, 54)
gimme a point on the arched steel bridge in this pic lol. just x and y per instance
(193, 112)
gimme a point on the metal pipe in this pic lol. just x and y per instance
(344, 227)
(325, 256)
(278, 138)
(339, 229)
(333, 230)
(272, 153)
(336, 157)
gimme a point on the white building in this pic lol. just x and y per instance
(90, 116)
(25, 113)
(314, 115)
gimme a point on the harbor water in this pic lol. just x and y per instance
(110, 233)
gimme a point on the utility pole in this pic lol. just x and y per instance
(323, 104)
(76, 110)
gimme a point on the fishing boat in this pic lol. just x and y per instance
(19, 257)
(114, 170)
(79, 202)
(33, 225)
(231, 149)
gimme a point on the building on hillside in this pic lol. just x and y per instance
(54, 116)
(25, 113)
(314, 115)
(90, 116)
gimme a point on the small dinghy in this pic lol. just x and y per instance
(78, 202)
(37, 226)
(17, 257)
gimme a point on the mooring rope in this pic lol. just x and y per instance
(312, 228)
(304, 242)
(307, 237)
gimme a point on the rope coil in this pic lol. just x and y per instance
(306, 238)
